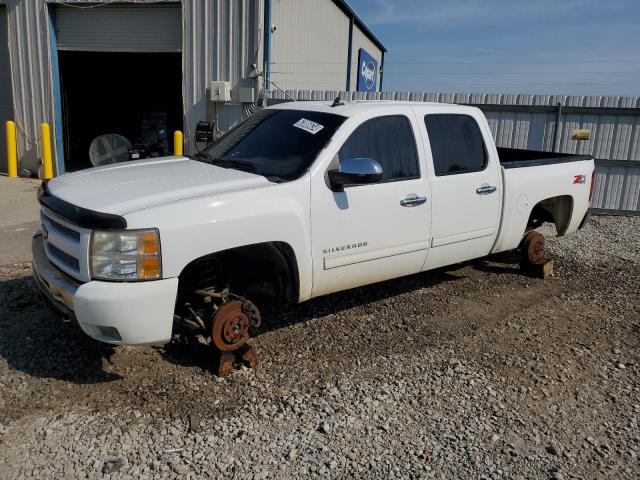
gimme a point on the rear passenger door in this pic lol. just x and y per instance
(466, 188)
(370, 233)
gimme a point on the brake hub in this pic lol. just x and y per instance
(252, 313)
(230, 327)
(533, 247)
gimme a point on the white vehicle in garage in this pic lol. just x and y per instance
(300, 200)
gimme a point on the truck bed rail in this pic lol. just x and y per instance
(518, 158)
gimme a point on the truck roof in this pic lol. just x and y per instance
(352, 108)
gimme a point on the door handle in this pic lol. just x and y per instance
(413, 201)
(486, 189)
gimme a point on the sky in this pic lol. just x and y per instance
(564, 47)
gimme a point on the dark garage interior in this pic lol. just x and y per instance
(105, 93)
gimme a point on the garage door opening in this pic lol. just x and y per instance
(117, 93)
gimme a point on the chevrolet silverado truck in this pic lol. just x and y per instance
(298, 201)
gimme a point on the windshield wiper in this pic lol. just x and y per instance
(199, 157)
(237, 164)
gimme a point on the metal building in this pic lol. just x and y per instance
(90, 67)
(6, 96)
(317, 46)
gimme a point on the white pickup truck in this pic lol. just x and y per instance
(298, 201)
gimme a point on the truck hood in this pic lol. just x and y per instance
(126, 187)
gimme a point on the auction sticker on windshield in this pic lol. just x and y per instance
(308, 126)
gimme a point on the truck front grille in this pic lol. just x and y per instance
(64, 231)
(66, 245)
(69, 260)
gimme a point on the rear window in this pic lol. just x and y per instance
(456, 144)
(278, 144)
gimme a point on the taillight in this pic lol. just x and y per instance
(593, 184)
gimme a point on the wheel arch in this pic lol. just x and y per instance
(269, 267)
(557, 210)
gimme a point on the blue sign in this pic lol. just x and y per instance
(367, 72)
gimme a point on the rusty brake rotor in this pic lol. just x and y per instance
(533, 247)
(230, 327)
(252, 312)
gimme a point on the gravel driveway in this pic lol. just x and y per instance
(473, 371)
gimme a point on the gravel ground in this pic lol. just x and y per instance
(474, 371)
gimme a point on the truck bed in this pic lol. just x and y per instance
(517, 158)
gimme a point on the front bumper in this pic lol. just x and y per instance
(127, 313)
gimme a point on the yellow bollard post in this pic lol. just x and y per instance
(12, 156)
(177, 143)
(47, 162)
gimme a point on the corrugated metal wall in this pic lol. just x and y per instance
(30, 75)
(120, 28)
(360, 40)
(221, 40)
(522, 121)
(309, 45)
(529, 121)
(6, 95)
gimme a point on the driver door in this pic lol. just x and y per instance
(370, 233)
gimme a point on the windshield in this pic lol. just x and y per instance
(278, 144)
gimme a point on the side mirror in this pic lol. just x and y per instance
(354, 171)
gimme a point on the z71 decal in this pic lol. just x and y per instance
(579, 179)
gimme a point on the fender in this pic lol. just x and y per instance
(201, 226)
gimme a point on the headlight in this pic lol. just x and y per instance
(126, 255)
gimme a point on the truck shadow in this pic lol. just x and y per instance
(189, 352)
(357, 297)
(34, 341)
(505, 262)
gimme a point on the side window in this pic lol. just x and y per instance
(456, 144)
(388, 140)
